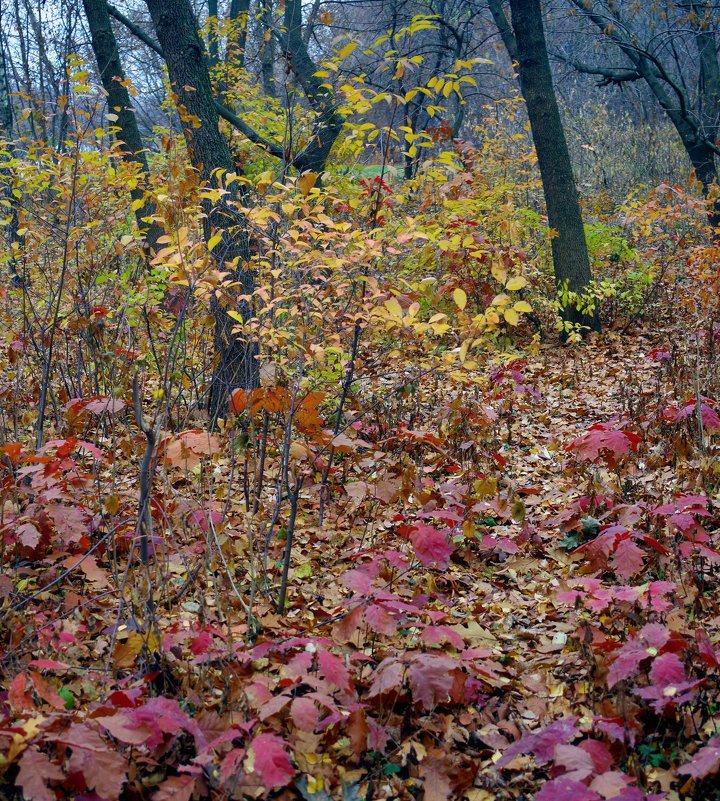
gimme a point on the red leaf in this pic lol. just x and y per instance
(431, 546)
(431, 678)
(601, 440)
(45, 691)
(17, 695)
(272, 761)
(48, 664)
(104, 770)
(705, 762)
(36, 770)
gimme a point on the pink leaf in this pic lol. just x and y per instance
(176, 788)
(575, 760)
(387, 676)
(669, 683)
(334, 670)
(627, 559)
(542, 743)
(565, 789)
(36, 770)
(627, 662)
(705, 762)
(304, 713)
(431, 546)
(28, 535)
(272, 761)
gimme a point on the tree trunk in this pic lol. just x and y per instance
(177, 32)
(702, 157)
(329, 123)
(105, 48)
(239, 11)
(267, 50)
(14, 240)
(569, 247)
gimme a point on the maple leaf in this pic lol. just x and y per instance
(652, 638)
(71, 522)
(28, 535)
(669, 683)
(432, 548)
(431, 677)
(575, 760)
(566, 789)
(387, 676)
(601, 440)
(271, 761)
(36, 770)
(705, 762)
(628, 559)
(542, 744)
(334, 670)
(435, 779)
(304, 713)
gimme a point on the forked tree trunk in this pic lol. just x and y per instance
(177, 31)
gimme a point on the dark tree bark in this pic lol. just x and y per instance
(105, 49)
(569, 247)
(177, 32)
(321, 98)
(239, 11)
(14, 240)
(267, 50)
(328, 123)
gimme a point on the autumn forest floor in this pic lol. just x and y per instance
(513, 595)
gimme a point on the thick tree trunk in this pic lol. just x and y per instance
(177, 32)
(569, 247)
(105, 48)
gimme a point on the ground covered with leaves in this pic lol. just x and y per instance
(512, 594)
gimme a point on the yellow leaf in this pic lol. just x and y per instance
(511, 316)
(345, 52)
(394, 307)
(522, 306)
(460, 298)
(214, 241)
(307, 181)
(515, 283)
